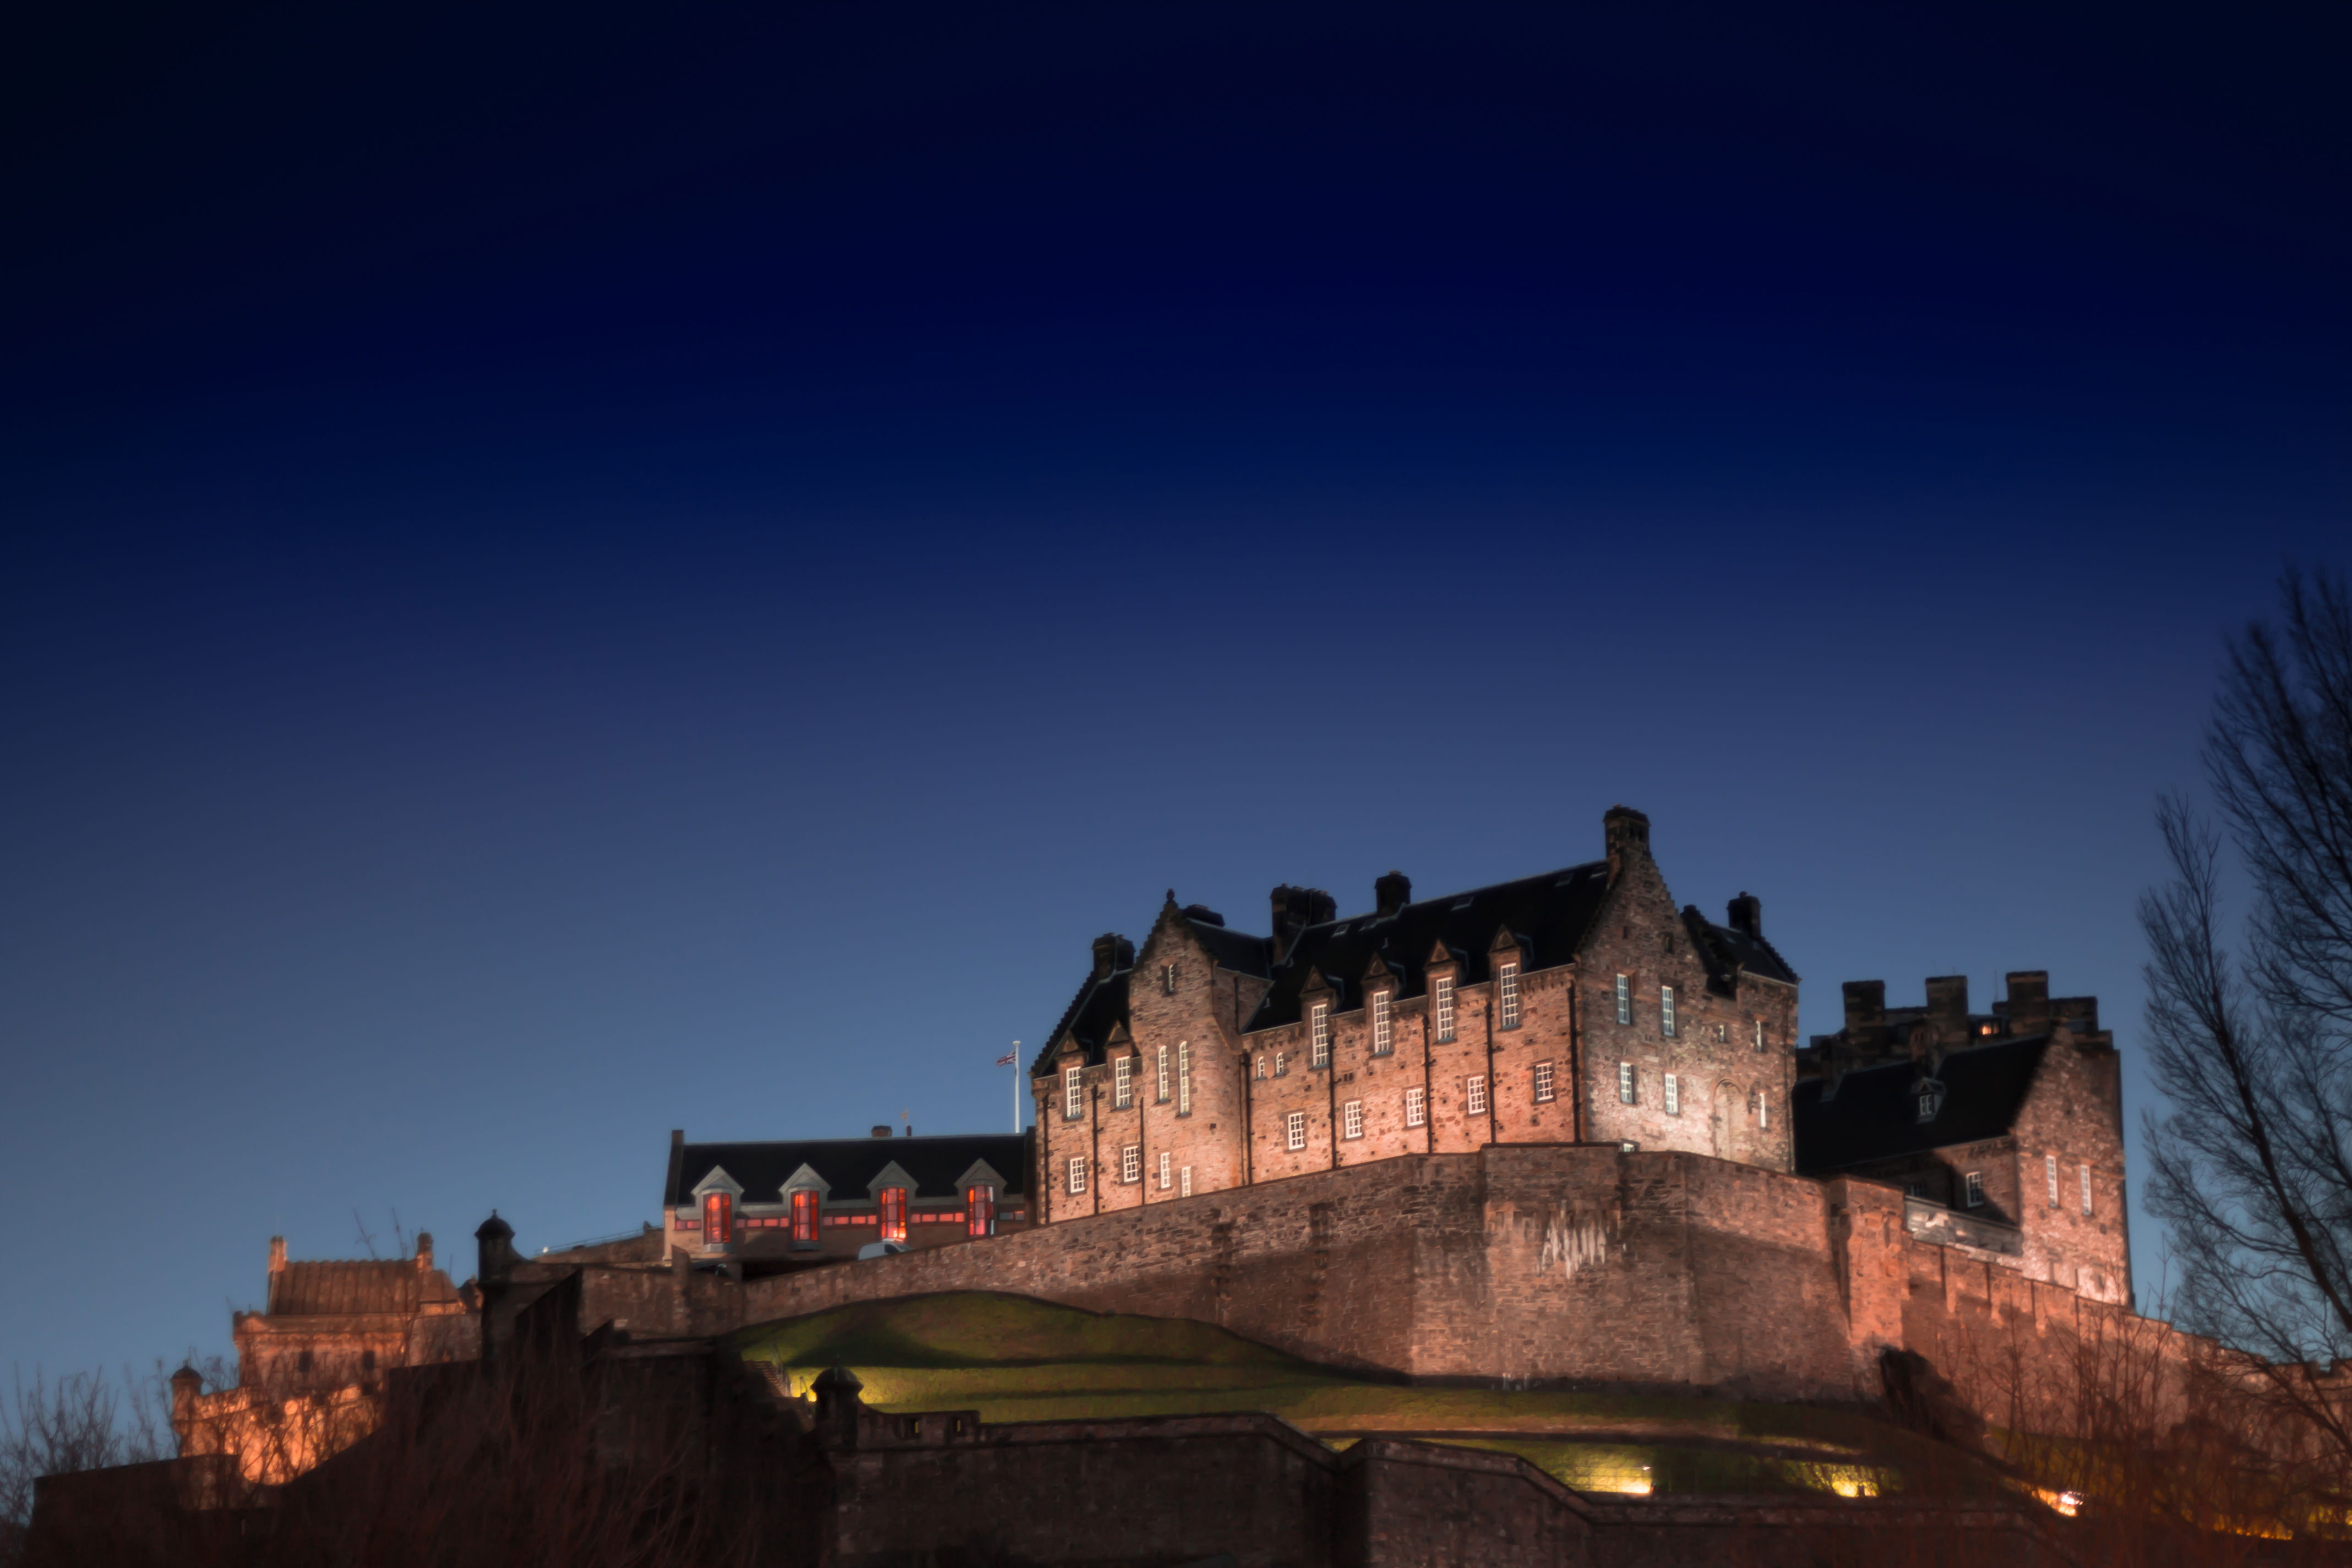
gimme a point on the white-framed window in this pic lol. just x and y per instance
(1281, 1065)
(1123, 1082)
(1625, 999)
(1184, 1181)
(2086, 1189)
(1383, 1025)
(1164, 1075)
(1163, 1170)
(1927, 1105)
(1077, 1172)
(1167, 980)
(1474, 1094)
(1183, 1078)
(1294, 1130)
(1261, 1068)
(1130, 1163)
(1506, 997)
(1416, 1107)
(1625, 1083)
(1074, 1093)
(1443, 999)
(1543, 1080)
(1760, 1034)
(1319, 1028)
(1666, 1011)
(2050, 1169)
(1763, 1109)
(1973, 1182)
(1351, 1118)
(1673, 1095)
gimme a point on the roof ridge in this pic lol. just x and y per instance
(1448, 897)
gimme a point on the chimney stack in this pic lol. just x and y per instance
(277, 1255)
(1113, 952)
(186, 1384)
(425, 1252)
(1866, 1008)
(1392, 892)
(1295, 909)
(1948, 1009)
(2029, 1001)
(881, 1129)
(1748, 915)
(1625, 832)
(494, 1252)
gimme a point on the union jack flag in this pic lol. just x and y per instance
(1005, 1060)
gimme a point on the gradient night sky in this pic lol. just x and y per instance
(572, 574)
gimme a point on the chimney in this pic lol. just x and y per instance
(2029, 1001)
(1392, 892)
(494, 1251)
(186, 1384)
(1748, 915)
(1865, 1006)
(425, 1252)
(277, 1255)
(1113, 952)
(1295, 909)
(1948, 1009)
(1626, 832)
(881, 1129)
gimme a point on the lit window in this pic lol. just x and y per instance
(980, 1211)
(1543, 1080)
(1164, 1075)
(1321, 1024)
(1073, 1094)
(1351, 1118)
(1123, 1082)
(1475, 1094)
(1666, 1011)
(1184, 1181)
(1625, 999)
(717, 1219)
(1444, 1006)
(1183, 1078)
(1383, 1025)
(1416, 1107)
(804, 1214)
(1760, 1034)
(1294, 1130)
(1507, 990)
(1163, 1170)
(1974, 1180)
(1077, 1172)
(2050, 1169)
(2086, 1189)
(894, 1214)
(1673, 1095)
(1130, 1163)
(1625, 1083)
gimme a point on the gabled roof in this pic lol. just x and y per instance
(1727, 949)
(1099, 1007)
(848, 1165)
(1547, 914)
(1873, 1113)
(333, 1287)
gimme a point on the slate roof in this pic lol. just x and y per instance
(1726, 947)
(1874, 1112)
(1099, 1007)
(848, 1164)
(315, 1290)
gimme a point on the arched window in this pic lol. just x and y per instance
(717, 1219)
(894, 1214)
(804, 1214)
(980, 1211)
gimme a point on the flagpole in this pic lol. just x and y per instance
(1016, 1089)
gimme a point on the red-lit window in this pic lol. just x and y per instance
(804, 1219)
(894, 1214)
(717, 1219)
(980, 1212)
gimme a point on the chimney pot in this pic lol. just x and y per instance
(1112, 952)
(881, 1129)
(1392, 892)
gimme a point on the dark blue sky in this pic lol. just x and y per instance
(575, 573)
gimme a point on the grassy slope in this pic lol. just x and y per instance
(1015, 1359)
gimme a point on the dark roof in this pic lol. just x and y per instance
(1874, 1112)
(1099, 1007)
(1727, 949)
(313, 1289)
(1547, 914)
(848, 1164)
(1234, 950)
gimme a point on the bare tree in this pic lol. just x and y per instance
(2252, 1046)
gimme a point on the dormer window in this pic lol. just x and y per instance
(1931, 1100)
(893, 1201)
(1122, 1079)
(1507, 994)
(1444, 1001)
(980, 1211)
(717, 1219)
(1074, 1094)
(1319, 1025)
(1383, 1025)
(1974, 1187)
(1666, 1011)
(806, 1215)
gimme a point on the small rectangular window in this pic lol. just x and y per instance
(1625, 999)
(1351, 1118)
(1673, 1095)
(1975, 1185)
(1625, 1083)
(1281, 1064)
(1077, 1172)
(2086, 1189)
(1162, 1062)
(1163, 1170)
(1167, 980)
(894, 1214)
(1123, 1082)
(1475, 1094)
(1258, 1069)
(1383, 1025)
(1320, 1022)
(1183, 1078)
(980, 1211)
(1666, 1011)
(1444, 1006)
(2050, 1169)
(1416, 1107)
(1763, 1108)
(1543, 1080)
(804, 1214)
(1294, 1130)
(1130, 1163)
(1507, 992)
(1760, 1034)
(1074, 1103)
(1184, 1181)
